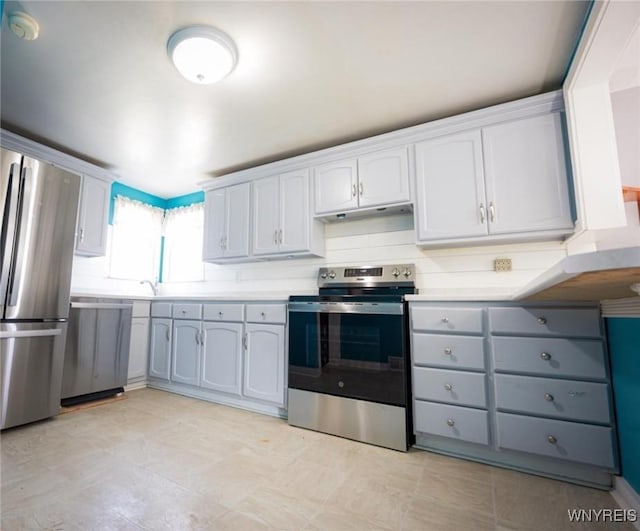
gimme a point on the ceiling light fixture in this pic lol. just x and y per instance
(202, 54)
(23, 25)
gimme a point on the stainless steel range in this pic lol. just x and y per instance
(349, 355)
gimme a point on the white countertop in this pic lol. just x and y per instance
(230, 297)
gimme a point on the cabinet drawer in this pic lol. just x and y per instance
(161, 309)
(267, 313)
(187, 311)
(572, 400)
(454, 387)
(446, 319)
(452, 421)
(574, 358)
(578, 322)
(223, 312)
(583, 443)
(456, 352)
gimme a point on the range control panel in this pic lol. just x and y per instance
(368, 276)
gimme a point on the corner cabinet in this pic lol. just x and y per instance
(502, 182)
(226, 223)
(376, 180)
(282, 222)
(93, 217)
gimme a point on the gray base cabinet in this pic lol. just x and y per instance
(522, 385)
(231, 353)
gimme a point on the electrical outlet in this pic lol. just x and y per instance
(502, 264)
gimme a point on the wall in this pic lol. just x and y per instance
(626, 117)
(624, 348)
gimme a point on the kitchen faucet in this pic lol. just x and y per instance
(153, 285)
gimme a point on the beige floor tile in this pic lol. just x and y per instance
(427, 515)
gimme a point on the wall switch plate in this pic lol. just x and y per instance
(502, 264)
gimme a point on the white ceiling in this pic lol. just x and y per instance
(98, 82)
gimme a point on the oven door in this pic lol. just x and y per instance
(349, 349)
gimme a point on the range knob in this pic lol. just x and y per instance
(332, 274)
(407, 272)
(323, 275)
(395, 272)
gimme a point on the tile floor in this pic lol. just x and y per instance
(161, 461)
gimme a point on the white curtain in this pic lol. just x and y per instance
(135, 241)
(183, 244)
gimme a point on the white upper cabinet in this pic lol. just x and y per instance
(226, 223)
(93, 217)
(450, 194)
(378, 179)
(282, 221)
(502, 182)
(526, 176)
(383, 178)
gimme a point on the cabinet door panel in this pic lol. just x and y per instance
(138, 348)
(384, 178)
(160, 352)
(264, 363)
(266, 215)
(237, 221)
(335, 186)
(186, 352)
(214, 224)
(450, 196)
(93, 217)
(526, 176)
(222, 357)
(294, 211)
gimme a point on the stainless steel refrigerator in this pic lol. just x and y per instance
(39, 207)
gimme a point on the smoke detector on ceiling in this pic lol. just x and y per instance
(23, 25)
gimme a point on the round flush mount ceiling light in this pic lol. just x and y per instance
(23, 25)
(202, 54)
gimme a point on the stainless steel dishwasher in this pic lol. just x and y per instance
(97, 349)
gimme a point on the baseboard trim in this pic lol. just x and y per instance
(132, 386)
(626, 497)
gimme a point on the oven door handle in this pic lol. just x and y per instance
(382, 308)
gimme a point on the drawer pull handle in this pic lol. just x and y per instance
(448, 386)
(445, 319)
(262, 315)
(551, 439)
(548, 397)
(184, 311)
(545, 356)
(542, 320)
(448, 351)
(220, 314)
(451, 422)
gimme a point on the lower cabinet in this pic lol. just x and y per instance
(264, 363)
(219, 354)
(222, 357)
(160, 348)
(138, 348)
(521, 385)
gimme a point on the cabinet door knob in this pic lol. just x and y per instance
(445, 319)
(492, 212)
(448, 351)
(545, 356)
(353, 191)
(483, 213)
(448, 386)
(542, 320)
(451, 422)
(551, 439)
(81, 235)
(361, 186)
(548, 397)
(262, 315)
(220, 314)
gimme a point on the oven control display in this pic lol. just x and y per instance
(363, 272)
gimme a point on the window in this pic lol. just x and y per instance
(183, 244)
(135, 240)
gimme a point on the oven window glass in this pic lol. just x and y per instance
(349, 354)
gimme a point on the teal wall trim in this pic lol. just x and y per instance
(577, 44)
(161, 268)
(184, 200)
(624, 347)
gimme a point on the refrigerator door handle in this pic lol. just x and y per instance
(23, 217)
(9, 227)
(31, 333)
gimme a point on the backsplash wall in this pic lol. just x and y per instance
(383, 240)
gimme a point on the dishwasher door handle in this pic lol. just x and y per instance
(101, 305)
